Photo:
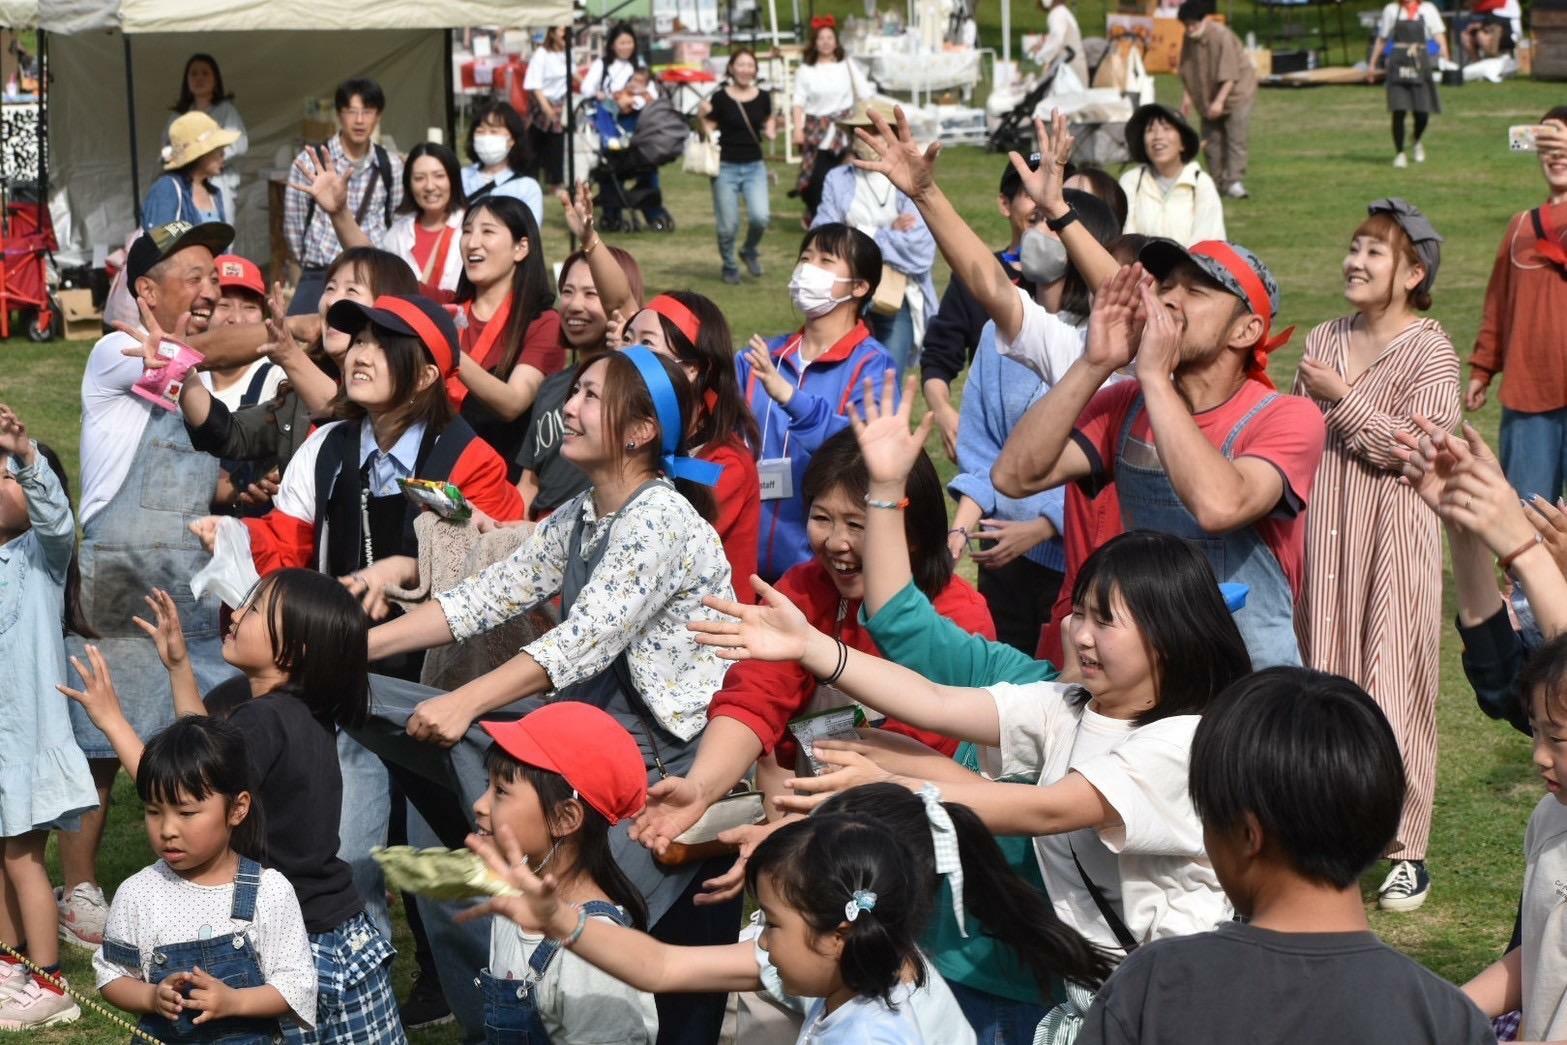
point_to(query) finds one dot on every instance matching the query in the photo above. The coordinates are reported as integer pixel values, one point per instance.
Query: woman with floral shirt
(631, 559)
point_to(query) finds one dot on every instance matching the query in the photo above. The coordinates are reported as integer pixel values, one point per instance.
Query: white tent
(113, 62)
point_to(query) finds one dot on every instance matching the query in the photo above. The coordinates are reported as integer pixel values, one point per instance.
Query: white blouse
(399, 240)
(546, 74)
(829, 88)
(1428, 14)
(599, 84)
(662, 559)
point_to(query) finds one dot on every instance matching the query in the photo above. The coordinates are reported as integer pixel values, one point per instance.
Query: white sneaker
(82, 915)
(1420, 153)
(13, 977)
(1237, 191)
(1400, 161)
(33, 1006)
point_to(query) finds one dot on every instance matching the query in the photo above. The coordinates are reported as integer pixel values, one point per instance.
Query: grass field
(1318, 157)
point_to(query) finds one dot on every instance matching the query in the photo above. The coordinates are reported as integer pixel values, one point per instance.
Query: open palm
(887, 444)
(773, 630)
(898, 156)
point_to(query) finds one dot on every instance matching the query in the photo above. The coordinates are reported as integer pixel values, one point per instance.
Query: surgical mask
(1042, 258)
(638, 102)
(810, 288)
(491, 148)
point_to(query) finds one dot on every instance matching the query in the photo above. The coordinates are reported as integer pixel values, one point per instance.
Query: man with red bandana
(1201, 445)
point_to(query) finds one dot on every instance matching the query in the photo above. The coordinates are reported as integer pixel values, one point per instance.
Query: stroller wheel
(663, 223)
(41, 327)
(611, 225)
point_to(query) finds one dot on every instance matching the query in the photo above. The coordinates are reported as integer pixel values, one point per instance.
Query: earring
(631, 447)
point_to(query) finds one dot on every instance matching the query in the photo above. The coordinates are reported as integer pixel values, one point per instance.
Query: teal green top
(909, 631)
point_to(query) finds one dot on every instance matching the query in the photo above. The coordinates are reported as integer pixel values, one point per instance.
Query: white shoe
(82, 915)
(33, 1006)
(1420, 153)
(1237, 191)
(13, 977)
(1400, 161)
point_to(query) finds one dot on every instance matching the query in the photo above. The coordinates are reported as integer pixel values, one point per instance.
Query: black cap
(165, 241)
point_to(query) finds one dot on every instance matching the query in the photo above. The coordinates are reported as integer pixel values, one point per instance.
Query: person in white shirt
(826, 86)
(428, 228)
(1168, 193)
(607, 76)
(1063, 40)
(498, 145)
(1410, 38)
(545, 82)
(201, 88)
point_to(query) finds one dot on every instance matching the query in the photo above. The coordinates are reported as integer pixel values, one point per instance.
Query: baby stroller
(632, 149)
(26, 243)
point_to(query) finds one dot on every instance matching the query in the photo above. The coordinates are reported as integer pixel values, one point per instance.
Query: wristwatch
(1057, 224)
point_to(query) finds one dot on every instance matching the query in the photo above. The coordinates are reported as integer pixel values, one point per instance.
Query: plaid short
(1506, 1027)
(354, 1000)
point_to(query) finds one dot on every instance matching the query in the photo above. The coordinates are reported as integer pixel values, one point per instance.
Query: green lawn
(1318, 157)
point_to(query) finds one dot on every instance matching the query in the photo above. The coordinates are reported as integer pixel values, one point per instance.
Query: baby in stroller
(634, 128)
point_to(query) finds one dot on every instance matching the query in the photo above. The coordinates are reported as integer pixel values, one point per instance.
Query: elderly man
(142, 484)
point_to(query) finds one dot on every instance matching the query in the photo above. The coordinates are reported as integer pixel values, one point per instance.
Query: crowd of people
(454, 551)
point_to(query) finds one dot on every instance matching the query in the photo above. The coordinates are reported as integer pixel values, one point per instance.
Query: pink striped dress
(1371, 605)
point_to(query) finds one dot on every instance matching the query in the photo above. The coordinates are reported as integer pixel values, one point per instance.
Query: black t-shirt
(293, 763)
(1241, 983)
(559, 479)
(738, 143)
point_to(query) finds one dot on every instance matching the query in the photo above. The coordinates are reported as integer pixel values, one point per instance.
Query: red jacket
(764, 696)
(739, 497)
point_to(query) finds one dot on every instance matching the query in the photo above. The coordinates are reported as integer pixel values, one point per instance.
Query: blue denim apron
(229, 957)
(138, 541)
(511, 1015)
(1149, 502)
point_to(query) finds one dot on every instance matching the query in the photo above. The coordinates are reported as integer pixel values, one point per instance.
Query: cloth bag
(701, 156)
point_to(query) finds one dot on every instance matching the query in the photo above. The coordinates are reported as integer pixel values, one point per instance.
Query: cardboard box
(1164, 53)
(82, 321)
(1262, 61)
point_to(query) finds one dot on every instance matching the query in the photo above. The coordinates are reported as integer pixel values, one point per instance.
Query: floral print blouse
(661, 560)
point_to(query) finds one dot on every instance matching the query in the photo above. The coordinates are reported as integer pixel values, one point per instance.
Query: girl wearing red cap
(559, 798)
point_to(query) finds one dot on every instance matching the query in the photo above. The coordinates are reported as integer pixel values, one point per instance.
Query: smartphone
(1520, 137)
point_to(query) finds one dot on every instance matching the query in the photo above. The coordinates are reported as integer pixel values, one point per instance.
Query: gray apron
(1149, 501)
(141, 540)
(1411, 72)
(461, 767)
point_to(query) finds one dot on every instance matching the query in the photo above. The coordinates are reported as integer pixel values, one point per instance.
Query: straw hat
(860, 115)
(192, 136)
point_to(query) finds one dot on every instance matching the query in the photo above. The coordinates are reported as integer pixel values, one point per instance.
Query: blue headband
(667, 406)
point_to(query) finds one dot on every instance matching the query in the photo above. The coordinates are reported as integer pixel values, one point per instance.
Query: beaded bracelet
(576, 934)
(891, 506)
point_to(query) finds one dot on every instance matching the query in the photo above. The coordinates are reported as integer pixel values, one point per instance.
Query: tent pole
(570, 125)
(130, 112)
(43, 120)
(451, 96)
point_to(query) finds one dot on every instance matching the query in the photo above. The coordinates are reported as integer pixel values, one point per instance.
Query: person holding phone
(1519, 331)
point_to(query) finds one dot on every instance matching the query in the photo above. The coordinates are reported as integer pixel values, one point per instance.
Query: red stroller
(26, 242)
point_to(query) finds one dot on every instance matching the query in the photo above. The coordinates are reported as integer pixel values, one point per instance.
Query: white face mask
(810, 288)
(491, 148)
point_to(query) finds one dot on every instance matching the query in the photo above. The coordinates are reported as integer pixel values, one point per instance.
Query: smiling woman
(428, 227)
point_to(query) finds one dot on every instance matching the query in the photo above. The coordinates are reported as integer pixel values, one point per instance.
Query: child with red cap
(558, 795)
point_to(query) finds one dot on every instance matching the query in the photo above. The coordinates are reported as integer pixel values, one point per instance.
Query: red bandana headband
(824, 22)
(1256, 297)
(434, 341)
(683, 318)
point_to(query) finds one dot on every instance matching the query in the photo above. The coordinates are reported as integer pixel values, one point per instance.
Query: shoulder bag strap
(747, 118)
(1118, 928)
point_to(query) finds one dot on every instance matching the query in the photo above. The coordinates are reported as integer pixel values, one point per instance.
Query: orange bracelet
(1506, 561)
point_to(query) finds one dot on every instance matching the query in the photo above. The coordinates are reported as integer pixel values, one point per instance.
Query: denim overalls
(229, 957)
(1149, 502)
(511, 1015)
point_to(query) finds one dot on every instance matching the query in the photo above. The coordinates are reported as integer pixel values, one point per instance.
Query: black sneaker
(425, 1005)
(731, 276)
(1406, 886)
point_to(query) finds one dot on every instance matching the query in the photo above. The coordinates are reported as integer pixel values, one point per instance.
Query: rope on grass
(87, 1003)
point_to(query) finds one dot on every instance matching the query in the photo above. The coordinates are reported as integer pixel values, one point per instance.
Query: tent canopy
(182, 16)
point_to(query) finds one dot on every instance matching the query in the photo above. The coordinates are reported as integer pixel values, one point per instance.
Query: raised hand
(13, 437)
(731, 883)
(1478, 497)
(206, 531)
(1115, 325)
(151, 336)
(282, 346)
(322, 181)
(165, 630)
(578, 210)
(775, 629)
(1550, 522)
(898, 155)
(777, 387)
(1046, 186)
(854, 770)
(1425, 470)
(887, 444)
(615, 330)
(97, 696)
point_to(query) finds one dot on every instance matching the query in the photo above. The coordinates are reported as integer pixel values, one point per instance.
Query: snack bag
(161, 386)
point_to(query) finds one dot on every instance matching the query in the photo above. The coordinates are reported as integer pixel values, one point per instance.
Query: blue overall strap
(667, 406)
(1228, 449)
(247, 882)
(545, 952)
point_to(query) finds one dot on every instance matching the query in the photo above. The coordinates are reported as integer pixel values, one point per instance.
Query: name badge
(777, 476)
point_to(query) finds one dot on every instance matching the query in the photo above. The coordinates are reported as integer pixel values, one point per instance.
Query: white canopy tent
(115, 68)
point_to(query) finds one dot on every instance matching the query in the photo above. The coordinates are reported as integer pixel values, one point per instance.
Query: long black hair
(532, 293)
(197, 757)
(722, 411)
(519, 159)
(857, 251)
(320, 639)
(448, 161)
(1171, 593)
(838, 464)
(1007, 907)
(593, 857)
(817, 866)
(1100, 221)
(616, 31)
(73, 620)
(187, 101)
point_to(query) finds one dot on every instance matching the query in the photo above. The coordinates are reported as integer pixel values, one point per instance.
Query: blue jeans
(367, 805)
(997, 1020)
(896, 334)
(733, 181)
(1534, 451)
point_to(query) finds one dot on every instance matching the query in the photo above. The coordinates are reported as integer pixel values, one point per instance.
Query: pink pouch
(161, 386)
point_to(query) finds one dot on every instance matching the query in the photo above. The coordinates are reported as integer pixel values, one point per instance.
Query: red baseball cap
(596, 755)
(235, 271)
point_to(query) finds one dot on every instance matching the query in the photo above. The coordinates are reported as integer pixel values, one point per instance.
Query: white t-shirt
(546, 74)
(1545, 923)
(231, 396)
(155, 907)
(1045, 343)
(1152, 869)
(112, 420)
(1428, 14)
(580, 1004)
(597, 83)
(829, 88)
(867, 1021)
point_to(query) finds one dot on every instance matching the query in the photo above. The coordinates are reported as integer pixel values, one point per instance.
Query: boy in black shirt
(1298, 781)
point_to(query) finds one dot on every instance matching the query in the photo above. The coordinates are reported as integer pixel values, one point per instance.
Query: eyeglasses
(355, 114)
